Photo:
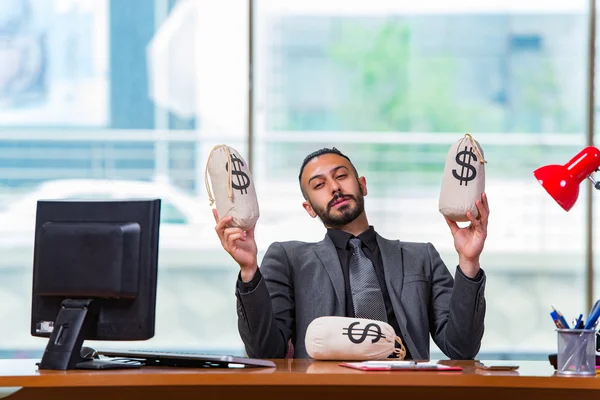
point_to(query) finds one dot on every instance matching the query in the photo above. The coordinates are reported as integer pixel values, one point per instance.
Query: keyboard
(186, 360)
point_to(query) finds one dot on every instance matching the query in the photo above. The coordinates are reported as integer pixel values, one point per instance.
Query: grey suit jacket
(302, 281)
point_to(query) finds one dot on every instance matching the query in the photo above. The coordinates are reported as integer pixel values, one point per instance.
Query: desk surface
(531, 374)
(293, 378)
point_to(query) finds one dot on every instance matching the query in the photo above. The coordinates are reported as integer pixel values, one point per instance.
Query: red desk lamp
(562, 181)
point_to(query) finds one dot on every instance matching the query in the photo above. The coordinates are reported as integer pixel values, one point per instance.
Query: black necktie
(366, 292)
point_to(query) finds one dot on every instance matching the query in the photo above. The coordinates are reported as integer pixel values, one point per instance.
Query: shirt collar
(340, 238)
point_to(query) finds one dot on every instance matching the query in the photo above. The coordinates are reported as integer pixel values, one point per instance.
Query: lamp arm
(595, 182)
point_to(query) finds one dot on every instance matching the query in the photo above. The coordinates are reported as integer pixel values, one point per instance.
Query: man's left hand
(469, 241)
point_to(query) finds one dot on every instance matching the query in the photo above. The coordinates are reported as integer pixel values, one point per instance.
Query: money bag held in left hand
(463, 181)
(344, 338)
(232, 186)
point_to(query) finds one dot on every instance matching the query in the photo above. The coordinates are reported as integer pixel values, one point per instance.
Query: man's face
(333, 191)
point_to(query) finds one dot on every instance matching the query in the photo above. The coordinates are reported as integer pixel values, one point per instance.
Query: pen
(559, 319)
(579, 323)
(594, 311)
(556, 320)
(593, 319)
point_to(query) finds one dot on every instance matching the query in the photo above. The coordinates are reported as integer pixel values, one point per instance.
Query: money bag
(463, 181)
(232, 185)
(343, 338)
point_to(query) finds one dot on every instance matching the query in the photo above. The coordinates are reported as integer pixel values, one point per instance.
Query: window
(133, 92)
(394, 85)
(140, 91)
(169, 214)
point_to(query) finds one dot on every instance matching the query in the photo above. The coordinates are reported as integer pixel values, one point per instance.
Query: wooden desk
(292, 379)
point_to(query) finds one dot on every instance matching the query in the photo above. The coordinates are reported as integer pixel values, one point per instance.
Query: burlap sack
(463, 181)
(233, 187)
(342, 338)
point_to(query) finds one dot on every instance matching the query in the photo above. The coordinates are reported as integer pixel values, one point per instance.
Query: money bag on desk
(232, 186)
(463, 181)
(344, 338)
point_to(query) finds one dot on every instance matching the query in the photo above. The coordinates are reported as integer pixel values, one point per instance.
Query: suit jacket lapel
(327, 254)
(391, 255)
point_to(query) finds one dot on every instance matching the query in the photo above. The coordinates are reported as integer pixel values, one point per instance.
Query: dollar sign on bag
(243, 181)
(363, 333)
(468, 172)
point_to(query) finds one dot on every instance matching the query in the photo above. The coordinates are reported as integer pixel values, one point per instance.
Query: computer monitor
(94, 276)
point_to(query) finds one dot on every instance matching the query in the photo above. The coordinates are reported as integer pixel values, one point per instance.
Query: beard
(344, 214)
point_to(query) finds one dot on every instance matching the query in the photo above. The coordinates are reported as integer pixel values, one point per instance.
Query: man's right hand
(239, 244)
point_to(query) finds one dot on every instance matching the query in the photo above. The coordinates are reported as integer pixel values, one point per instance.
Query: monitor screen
(94, 275)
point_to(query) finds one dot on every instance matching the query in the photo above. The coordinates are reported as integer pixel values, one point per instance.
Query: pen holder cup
(576, 352)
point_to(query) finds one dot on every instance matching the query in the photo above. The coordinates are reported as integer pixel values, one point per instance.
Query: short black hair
(318, 153)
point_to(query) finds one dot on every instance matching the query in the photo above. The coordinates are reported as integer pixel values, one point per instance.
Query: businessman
(354, 272)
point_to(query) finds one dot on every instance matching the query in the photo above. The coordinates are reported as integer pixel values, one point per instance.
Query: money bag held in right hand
(343, 338)
(463, 181)
(232, 186)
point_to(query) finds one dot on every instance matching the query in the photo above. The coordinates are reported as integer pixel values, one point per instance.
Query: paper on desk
(399, 366)
(397, 362)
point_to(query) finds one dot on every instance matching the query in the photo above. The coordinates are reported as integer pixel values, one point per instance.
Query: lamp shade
(562, 181)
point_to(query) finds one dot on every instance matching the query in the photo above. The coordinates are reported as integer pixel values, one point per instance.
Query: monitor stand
(63, 351)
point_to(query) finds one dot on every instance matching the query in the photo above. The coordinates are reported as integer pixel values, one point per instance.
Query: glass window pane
(393, 85)
(127, 99)
(171, 215)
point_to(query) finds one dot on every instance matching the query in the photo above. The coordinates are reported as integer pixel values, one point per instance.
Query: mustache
(338, 197)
